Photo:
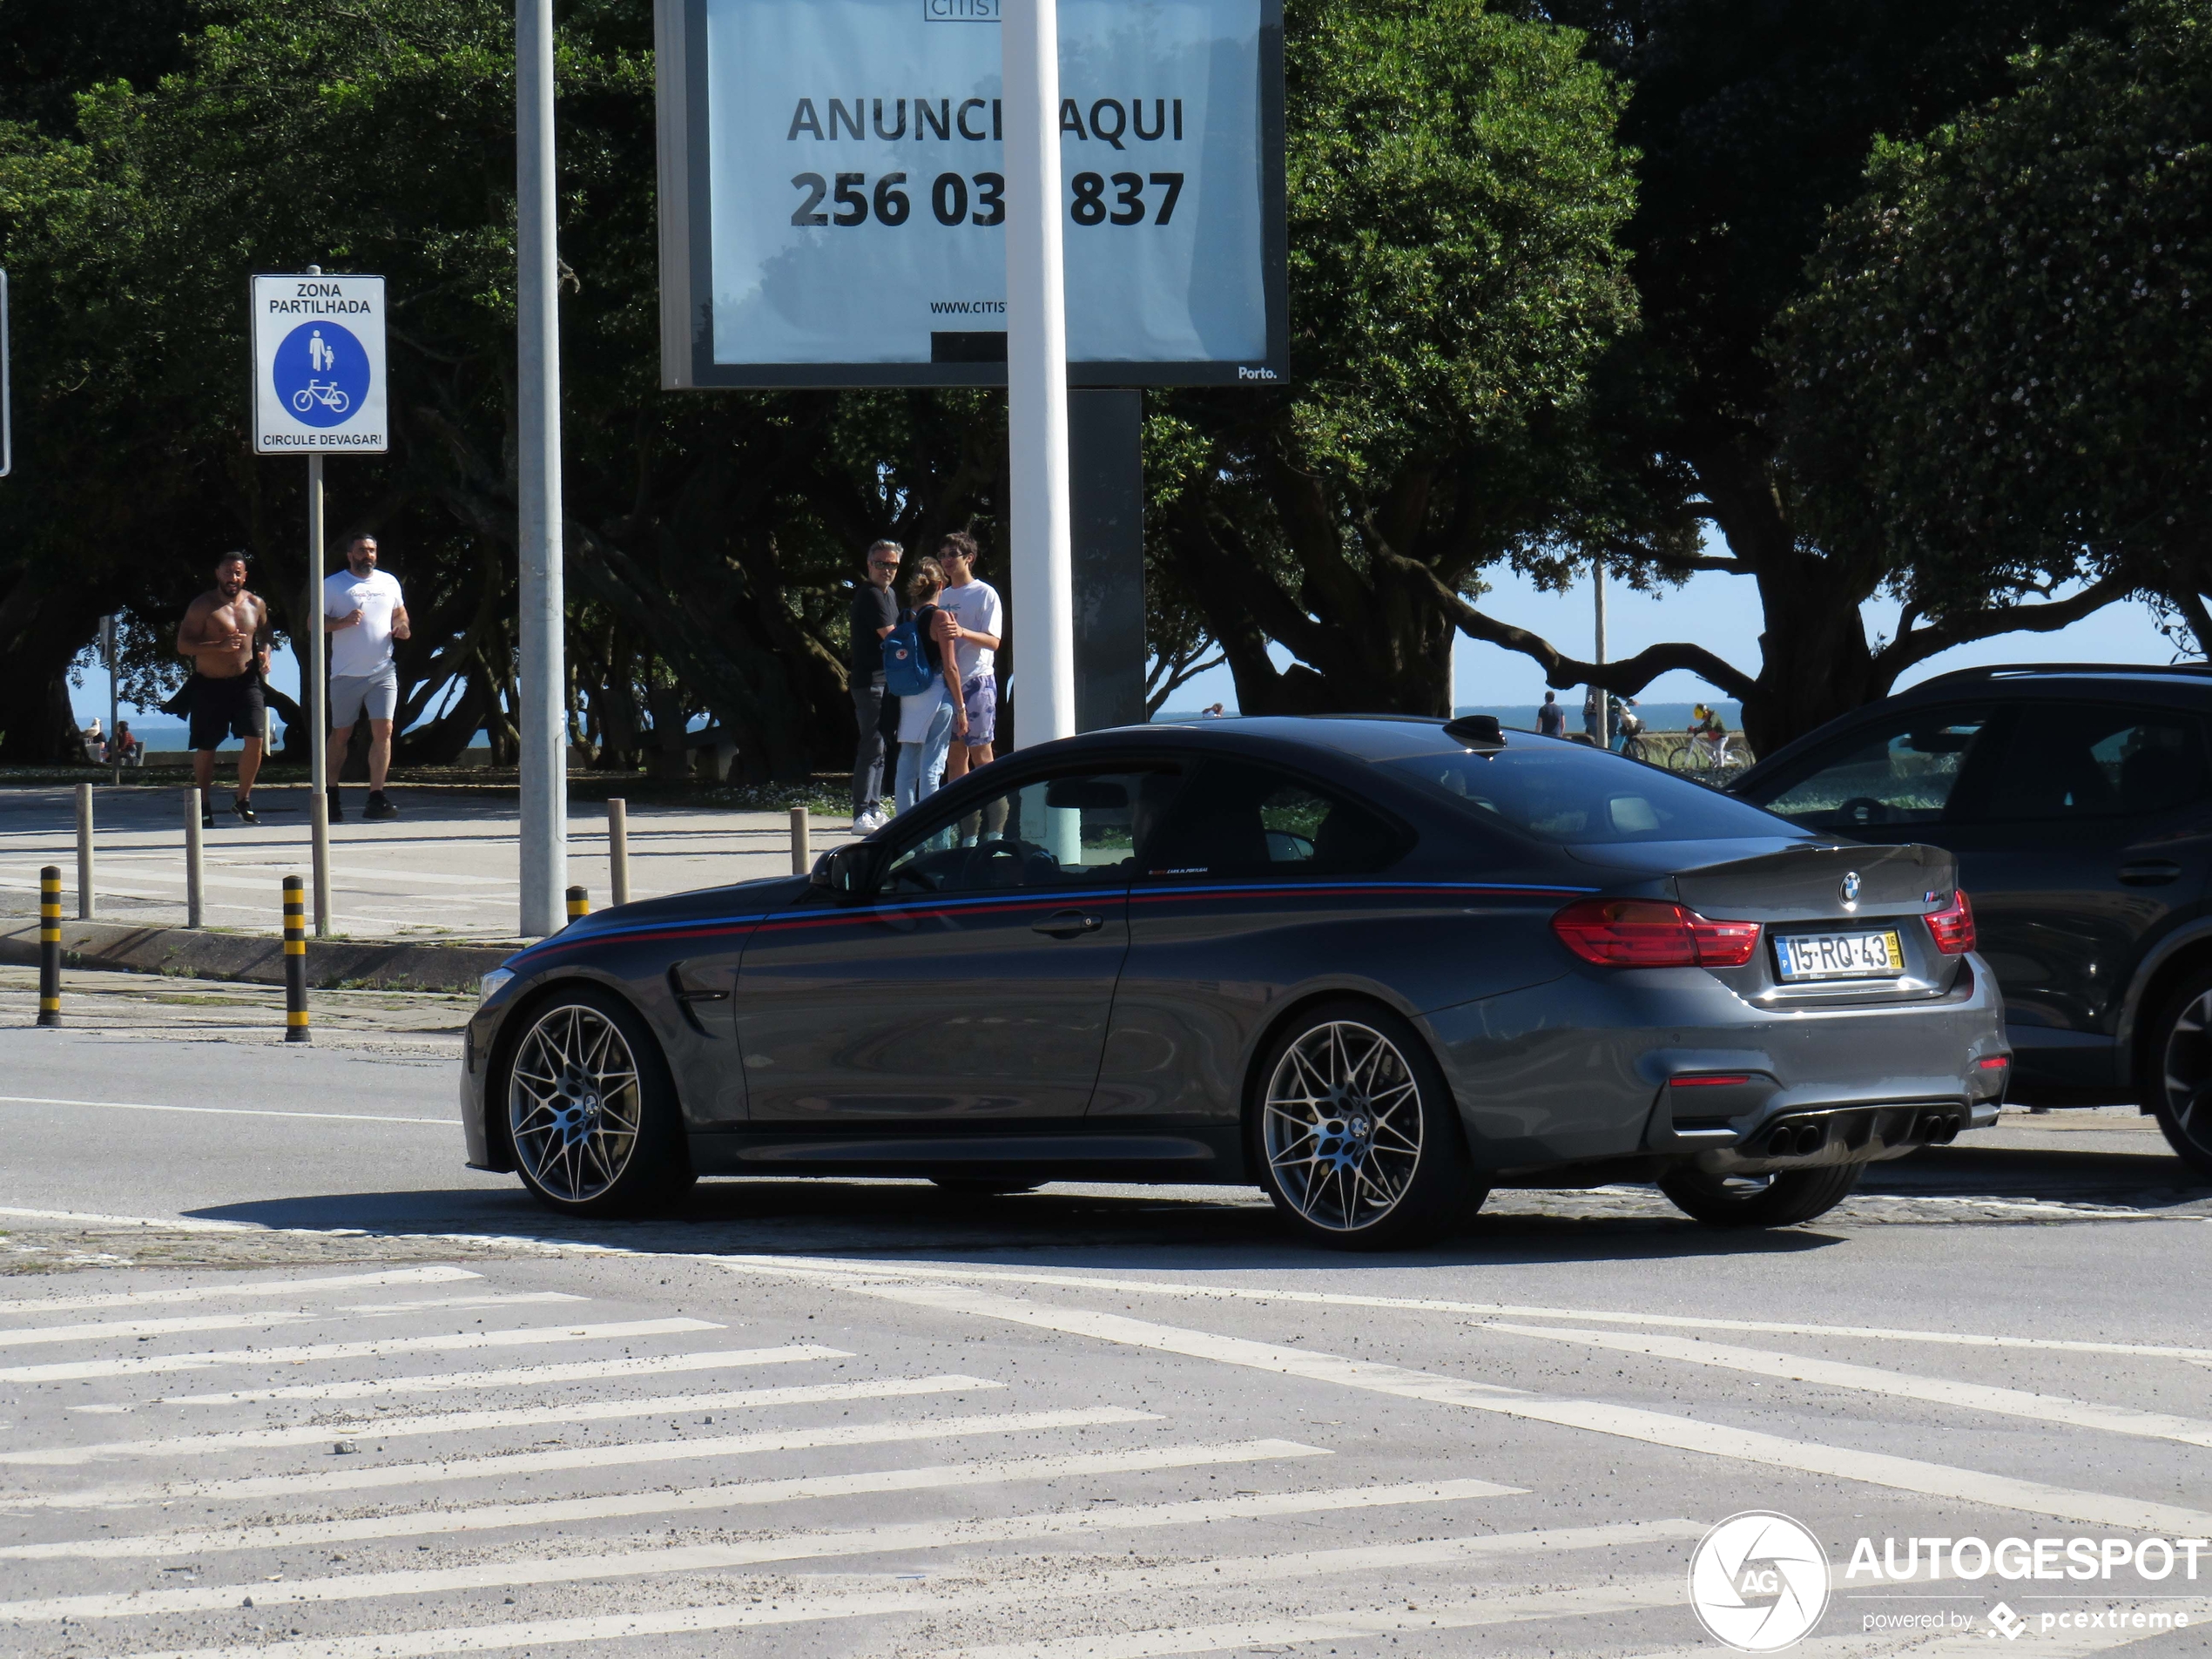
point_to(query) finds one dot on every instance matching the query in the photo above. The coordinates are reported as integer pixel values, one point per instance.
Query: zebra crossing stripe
(593, 1411)
(228, 1293)
(1054, 1586)
(657, 1560)
(517, 1376)
(118, 1330)
(156, 1363)
(501, 1464)
(433, 1523)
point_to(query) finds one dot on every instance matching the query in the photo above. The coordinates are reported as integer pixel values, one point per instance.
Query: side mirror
(844, 870)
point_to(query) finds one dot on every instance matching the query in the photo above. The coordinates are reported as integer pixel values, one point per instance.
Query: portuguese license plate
(1839, 955)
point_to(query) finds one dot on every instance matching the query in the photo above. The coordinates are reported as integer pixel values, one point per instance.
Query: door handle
(2149, 873)
(1068, 924)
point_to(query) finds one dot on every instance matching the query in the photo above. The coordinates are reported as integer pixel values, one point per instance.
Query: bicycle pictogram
(329, 394)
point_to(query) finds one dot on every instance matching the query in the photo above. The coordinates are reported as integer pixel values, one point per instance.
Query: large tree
(2000, 381)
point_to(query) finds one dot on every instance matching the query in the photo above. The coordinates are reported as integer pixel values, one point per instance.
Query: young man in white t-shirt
(970, 619)
(363, 613)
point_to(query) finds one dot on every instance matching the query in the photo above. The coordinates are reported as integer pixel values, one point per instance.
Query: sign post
(318, 388)
(7, 396)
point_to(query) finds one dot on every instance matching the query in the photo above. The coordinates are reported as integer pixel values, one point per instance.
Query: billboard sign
(832, 186)
(319, 365)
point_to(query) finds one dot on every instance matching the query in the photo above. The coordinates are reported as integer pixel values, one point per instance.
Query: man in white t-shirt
(970, 619)
(362, 613)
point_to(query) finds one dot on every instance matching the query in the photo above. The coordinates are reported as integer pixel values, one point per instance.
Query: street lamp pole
(542, 716)
(1604, 697)
(1040, 557)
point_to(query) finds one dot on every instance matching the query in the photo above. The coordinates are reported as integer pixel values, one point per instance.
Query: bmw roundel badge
(1851, 887)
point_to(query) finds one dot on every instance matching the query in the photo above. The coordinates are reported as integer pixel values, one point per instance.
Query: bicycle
(327, 393)
(1713, 756)
(1632, 748)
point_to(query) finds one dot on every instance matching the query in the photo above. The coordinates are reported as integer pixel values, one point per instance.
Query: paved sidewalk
(446, 869)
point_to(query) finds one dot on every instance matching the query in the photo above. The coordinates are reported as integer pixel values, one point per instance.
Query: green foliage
(1999, 378)
(1455, 195)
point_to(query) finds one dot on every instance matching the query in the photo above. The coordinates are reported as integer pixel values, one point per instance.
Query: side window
(2083, 761)
(1905, 770)
(1075, 830)
(1240, 820)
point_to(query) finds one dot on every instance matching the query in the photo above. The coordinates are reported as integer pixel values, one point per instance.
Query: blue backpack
(906, 671)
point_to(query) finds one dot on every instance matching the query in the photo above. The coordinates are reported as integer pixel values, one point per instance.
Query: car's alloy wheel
(588, 1111)
(1355, 1133)
(1780, 1200)
(2181, 1096)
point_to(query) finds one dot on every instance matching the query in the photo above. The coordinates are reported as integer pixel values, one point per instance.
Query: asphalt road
(277, 1377)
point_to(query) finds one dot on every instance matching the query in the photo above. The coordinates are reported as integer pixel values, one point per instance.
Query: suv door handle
(1068, 924)
(2149, 873)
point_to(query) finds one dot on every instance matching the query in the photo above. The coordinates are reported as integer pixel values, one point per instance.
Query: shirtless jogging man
(225, 632)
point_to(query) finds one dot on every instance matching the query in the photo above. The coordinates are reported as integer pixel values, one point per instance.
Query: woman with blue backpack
(921, 674)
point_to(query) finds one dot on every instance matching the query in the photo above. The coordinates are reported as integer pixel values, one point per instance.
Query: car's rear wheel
(591, 1110)
(1781, 1199)
(1359, 1145)
(2180, 1087)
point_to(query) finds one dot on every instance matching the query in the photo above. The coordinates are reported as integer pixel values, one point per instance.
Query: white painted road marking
(1626, 1422)
(503, 1464)
(227, 1292)
(1120, 1584)
(595, 1411)
(516, 1376)
(1940, 1391)
(228, 1111)
(141, 1364)
(431, 1523)
(826, 1266)
(28, 1335)
(655, 1560)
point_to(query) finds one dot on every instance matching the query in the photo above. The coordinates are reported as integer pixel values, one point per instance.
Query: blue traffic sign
(321, 374)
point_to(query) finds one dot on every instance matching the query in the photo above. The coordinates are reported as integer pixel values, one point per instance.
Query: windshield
(1574, 796)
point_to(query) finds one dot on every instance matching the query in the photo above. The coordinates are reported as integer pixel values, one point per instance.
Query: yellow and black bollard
(49, 945)
(579, 902)
(295, 960)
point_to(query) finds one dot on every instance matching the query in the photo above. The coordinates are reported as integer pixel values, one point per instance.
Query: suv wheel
(2179, 1087)
(1779, 1200)
(591, 1110)
(1357, 1140)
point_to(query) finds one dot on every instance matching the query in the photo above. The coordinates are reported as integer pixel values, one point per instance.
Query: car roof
(1356, 737)
(2184, 682)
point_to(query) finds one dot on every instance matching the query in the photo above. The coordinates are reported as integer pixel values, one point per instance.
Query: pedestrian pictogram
(318, 364)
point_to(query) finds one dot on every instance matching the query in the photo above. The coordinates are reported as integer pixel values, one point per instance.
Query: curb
(255, 958)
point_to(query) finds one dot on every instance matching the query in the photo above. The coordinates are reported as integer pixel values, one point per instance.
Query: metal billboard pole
(541, 716)
(1039, 554)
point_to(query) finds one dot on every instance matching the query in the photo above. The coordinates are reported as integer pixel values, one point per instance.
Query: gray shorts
(375, 695)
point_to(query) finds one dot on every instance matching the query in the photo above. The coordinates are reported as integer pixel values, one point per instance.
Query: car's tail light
(1650, 932)
(1953, 927)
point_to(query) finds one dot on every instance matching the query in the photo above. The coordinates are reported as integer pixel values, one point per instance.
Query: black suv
(2078, 799)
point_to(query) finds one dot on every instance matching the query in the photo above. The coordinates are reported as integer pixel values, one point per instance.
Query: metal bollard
(618, 849)
(194, 888)
(295, 960)
(579, 903)
(49, 945)
(84, 906)
(802, 857)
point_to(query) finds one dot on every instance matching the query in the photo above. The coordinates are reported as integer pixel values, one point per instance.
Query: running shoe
(337, 814)
(244, 807)
(207, 817)
(378, 807)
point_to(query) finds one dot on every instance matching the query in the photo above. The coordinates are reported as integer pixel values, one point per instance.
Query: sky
(1720, 611)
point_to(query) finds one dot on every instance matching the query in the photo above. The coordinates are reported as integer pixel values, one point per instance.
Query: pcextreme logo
(1758, 1582)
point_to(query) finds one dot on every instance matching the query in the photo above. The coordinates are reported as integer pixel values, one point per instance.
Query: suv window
(2075, 760)
(1075, 830)
(1907, 769)
(1243, 819)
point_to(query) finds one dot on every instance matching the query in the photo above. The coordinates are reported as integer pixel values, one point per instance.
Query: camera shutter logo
(1758, 1582)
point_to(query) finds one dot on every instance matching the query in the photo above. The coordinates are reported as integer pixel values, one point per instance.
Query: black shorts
(223, 709)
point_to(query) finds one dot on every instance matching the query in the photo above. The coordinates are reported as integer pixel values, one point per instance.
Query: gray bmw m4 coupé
(1376, 965)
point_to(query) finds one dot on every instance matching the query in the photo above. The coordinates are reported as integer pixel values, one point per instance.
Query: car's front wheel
(1359, 1144)
(1778, 1200)
(2180, 1087)
(591, 1110)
